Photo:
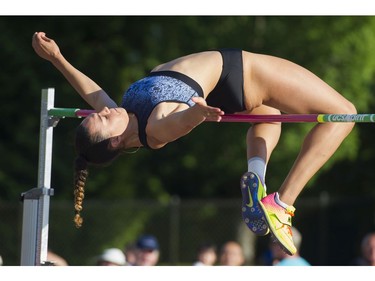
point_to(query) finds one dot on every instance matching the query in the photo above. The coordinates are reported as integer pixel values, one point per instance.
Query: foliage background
(117, 50)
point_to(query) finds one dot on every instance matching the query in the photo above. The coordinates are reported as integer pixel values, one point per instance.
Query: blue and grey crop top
(161, 86)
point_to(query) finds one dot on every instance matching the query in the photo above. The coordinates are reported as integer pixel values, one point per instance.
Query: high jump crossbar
(284, 118)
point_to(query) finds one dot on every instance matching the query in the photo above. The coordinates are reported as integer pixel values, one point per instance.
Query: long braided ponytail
(81, 173)
(92, 149)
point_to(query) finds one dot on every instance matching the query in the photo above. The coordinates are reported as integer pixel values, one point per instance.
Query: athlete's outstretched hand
(208, 112)
(45, 47)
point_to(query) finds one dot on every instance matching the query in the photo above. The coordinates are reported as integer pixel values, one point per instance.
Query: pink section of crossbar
(285, 118)
(84, 112)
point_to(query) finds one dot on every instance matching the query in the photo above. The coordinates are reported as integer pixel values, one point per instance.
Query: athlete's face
(109, 122)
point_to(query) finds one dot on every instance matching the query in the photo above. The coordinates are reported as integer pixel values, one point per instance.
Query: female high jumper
(177, 96)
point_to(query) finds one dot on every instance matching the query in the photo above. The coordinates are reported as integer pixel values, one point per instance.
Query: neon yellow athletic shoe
(253, 190)
(279, 221)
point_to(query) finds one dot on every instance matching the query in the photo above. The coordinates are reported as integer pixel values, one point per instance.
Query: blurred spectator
(1, 261)
(280, 258)
(147, 253)
(367, 251)
(111, 257)
(131, 253)
(206, 254)
(231, 254)
(55, 259)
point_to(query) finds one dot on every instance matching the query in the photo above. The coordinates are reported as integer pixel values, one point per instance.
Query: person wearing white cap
(111, 257)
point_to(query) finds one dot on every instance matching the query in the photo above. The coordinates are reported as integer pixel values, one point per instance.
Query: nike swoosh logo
(251, 203)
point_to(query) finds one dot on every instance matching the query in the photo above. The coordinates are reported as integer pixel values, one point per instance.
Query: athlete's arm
(91, 92)
(179, 124)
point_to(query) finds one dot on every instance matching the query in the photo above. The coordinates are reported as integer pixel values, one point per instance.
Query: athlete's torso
(204, 69)
(159, 95)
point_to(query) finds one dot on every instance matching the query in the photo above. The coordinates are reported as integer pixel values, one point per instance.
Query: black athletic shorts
(228, 93)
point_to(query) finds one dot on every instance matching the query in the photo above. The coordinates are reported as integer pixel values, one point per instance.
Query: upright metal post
(36, 201)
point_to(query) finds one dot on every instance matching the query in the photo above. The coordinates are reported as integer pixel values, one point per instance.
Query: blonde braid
(79, 194)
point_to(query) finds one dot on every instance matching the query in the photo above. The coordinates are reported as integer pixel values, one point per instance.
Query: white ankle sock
(257, 165)
(278, 201)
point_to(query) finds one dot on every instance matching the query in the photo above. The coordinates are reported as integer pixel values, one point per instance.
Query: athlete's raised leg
(291, 88)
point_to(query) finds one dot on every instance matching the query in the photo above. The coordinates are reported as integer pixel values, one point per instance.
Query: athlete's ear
(115, 142)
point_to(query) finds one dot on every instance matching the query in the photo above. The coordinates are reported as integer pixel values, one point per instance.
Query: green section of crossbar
(63, 112)
(357, 118)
